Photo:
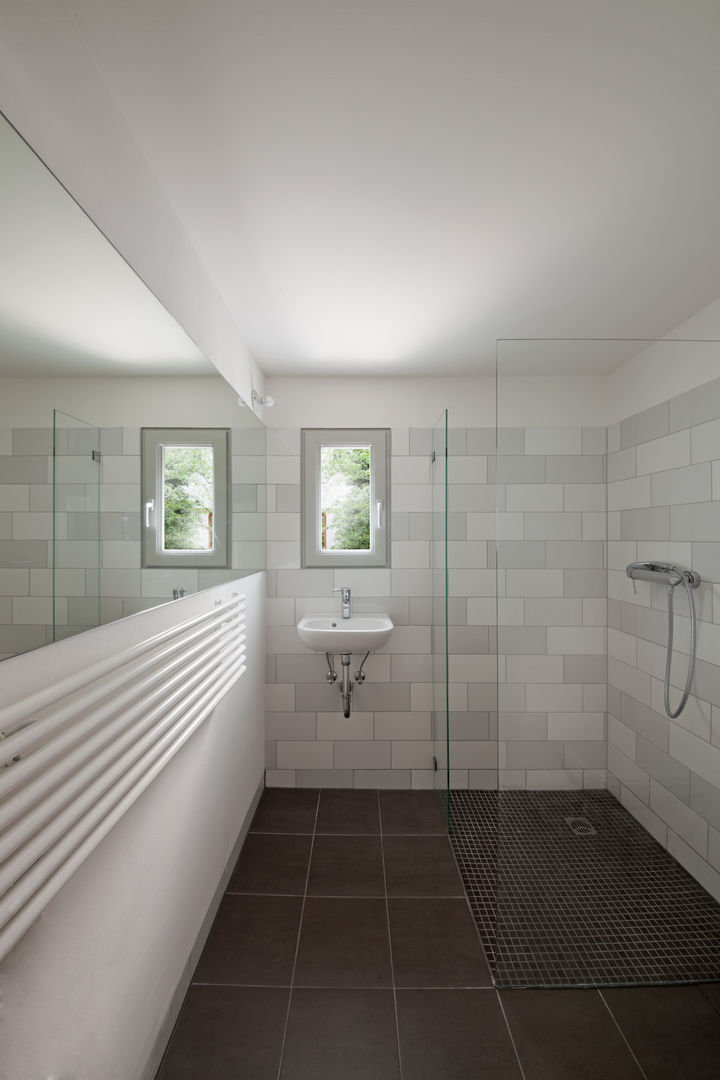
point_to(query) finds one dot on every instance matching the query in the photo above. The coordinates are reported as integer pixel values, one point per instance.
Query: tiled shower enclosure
(600, 862)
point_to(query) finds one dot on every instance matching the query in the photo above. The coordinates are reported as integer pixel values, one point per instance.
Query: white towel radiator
(75, 756)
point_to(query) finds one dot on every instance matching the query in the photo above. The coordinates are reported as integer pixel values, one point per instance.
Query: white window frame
(313, 439)
(153, 442)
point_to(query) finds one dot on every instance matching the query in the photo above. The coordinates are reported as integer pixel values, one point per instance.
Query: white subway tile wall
(666, 772)
(552, 574)
(26, 531)
(387, 741)
(552, 641)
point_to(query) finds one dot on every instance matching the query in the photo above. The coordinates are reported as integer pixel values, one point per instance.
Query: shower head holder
(662, 573)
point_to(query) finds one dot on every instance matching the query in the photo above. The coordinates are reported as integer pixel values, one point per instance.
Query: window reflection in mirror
(185, 480)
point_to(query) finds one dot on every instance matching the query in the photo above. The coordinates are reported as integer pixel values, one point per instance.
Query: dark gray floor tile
(420, 866)
(454, 1034)
(342, 1017)
(289, 810)
(674, 1031)
(346, 866)
(348, 812)
(227, 1031)
(341, 1035)
(344, 943)
(411, 812)
(272, 863)
(252, 941)
(566, 1034)
(435, 944)
(711, 991)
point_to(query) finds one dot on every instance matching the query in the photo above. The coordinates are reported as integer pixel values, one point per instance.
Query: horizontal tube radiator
(76, 755)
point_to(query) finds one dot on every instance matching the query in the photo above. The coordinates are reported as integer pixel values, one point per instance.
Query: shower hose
(691, 665)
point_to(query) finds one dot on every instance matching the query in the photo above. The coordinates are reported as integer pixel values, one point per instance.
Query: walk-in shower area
(582, 784)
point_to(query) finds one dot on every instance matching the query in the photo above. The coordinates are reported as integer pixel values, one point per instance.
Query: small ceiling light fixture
(257, 400)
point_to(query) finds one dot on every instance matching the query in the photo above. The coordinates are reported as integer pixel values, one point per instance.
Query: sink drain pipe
(346, 687)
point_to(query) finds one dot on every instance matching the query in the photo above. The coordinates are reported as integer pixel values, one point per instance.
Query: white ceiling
(387, 186)
(69, 304)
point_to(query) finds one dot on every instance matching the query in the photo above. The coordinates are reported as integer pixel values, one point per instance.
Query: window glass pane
(188, 476)
(345, 498)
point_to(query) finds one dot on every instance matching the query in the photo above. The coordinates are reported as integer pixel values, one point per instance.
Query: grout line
(246, 986)
(392, 963)
(271, 832)
(509, 1031)
(320, 832)
(622, 1034)
(707, 997)
(355, 896)
(402, 989)
(297, 943)
(334, 986)
(287, 895)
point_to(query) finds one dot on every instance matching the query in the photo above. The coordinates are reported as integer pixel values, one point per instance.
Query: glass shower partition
(439, 628)
(76, 535)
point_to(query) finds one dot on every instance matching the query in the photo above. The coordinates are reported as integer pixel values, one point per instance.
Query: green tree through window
(188, 498)
(345, 498)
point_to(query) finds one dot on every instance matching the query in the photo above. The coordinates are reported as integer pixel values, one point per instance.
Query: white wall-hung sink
(332, 634)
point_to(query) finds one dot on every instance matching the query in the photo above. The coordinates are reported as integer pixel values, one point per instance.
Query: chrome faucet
(345, 599)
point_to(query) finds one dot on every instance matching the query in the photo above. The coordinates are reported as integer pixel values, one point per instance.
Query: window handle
(149, 507)
(380, 511)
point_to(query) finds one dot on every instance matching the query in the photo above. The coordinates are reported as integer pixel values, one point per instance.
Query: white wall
(661, 371)
(378, 402)
(666, 369)
(658, 372)
(124, 402)
(406, 402)
(51, 91)
(92, 989)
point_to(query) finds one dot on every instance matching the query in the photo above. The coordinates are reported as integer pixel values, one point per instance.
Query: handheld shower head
(671, 576)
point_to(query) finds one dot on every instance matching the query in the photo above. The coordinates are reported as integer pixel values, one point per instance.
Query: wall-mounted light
(256, 400)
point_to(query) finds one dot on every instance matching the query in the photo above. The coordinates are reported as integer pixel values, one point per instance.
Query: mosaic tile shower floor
(604, 907)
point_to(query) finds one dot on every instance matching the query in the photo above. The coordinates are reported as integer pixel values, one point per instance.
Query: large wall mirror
(89, 359)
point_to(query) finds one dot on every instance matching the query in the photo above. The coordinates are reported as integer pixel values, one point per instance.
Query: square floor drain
(581, 826)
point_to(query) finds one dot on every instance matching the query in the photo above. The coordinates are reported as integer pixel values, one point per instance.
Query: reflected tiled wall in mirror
(80, 332)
